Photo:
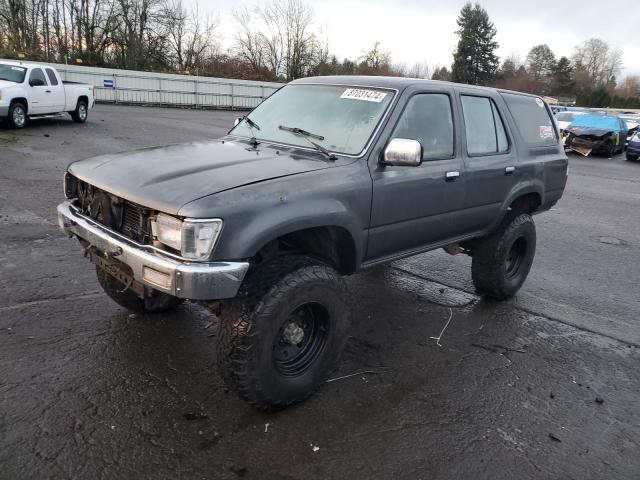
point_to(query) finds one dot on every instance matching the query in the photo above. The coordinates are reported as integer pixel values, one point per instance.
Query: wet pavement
(544, 386)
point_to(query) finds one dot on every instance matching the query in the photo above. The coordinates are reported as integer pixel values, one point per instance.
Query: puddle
(611, 240)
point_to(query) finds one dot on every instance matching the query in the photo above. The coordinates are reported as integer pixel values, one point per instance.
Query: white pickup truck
(36, 91)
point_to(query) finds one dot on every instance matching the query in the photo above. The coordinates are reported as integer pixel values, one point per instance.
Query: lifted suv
(327, 176)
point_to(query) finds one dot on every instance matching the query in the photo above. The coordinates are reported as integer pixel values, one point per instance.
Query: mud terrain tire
(501, 261)
(284, 332)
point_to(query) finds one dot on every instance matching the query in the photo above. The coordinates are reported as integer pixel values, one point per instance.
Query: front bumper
(181, 278)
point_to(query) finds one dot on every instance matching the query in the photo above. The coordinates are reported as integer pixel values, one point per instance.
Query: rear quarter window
(532, 118)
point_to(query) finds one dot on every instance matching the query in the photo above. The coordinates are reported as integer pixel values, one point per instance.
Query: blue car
(633, 149)
(597, 134)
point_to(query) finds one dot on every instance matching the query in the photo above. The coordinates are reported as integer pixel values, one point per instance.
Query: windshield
(344, 117)
(12, 73)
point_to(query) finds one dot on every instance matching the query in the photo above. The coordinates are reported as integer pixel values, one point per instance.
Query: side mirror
(237, 121)
(403, 152)
(36, 82)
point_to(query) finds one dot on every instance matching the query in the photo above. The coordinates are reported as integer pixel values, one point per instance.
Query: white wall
(147, 88)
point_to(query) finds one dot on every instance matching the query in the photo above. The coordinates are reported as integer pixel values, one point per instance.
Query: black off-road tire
(156, 302)
(501, 262)
(251, 328)
(11, 117)
(80, 114)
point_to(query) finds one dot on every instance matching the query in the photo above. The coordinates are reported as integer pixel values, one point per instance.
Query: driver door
(40, 100)
(414, 207)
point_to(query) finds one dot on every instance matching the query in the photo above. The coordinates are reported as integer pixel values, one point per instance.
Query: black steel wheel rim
(515, 257)
(300, 340)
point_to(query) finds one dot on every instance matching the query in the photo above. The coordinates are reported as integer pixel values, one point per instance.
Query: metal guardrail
(149, 88)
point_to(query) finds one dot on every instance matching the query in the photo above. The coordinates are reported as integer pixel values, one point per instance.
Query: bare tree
(598, 61)
(249, 42)
(290, 44)
(191, 37)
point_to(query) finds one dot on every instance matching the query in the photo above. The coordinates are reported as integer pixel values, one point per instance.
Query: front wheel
(501, 262)
(17, 115)
(81, 112)
(283, 334)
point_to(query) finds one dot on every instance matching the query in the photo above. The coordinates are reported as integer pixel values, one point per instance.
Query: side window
(36, 74)
(484, 128)
(428, 119)
(532, 119)
(52, 77)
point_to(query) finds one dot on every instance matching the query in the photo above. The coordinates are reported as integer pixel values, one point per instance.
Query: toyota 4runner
(326, 176)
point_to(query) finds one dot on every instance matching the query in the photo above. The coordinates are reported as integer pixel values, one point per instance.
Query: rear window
(483, 126)
(52, 77)
(532, 119)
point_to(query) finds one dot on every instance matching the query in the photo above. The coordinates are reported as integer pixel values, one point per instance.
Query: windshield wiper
(306, 135)
(252, 125)
(251, 122)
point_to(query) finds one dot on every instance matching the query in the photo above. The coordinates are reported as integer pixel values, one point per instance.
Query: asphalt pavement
(543, 386)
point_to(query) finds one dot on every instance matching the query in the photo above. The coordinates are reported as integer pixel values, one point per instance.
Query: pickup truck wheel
(501, 261)
(283, 334)
(17, 115)
(81, 112)
(156, 302)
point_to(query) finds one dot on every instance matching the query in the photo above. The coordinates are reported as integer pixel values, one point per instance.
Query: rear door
(490, 161)
(56, 97)
(414, 207)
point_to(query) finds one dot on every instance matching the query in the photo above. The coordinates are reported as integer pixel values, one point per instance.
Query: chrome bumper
(183, 279)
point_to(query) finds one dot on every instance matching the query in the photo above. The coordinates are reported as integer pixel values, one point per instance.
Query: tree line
(280, 41)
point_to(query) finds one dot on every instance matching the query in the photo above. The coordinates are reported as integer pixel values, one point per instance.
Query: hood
(166, 178)
(595, 132)
(6, 84)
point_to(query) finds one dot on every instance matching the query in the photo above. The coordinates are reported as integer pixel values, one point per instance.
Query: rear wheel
(17, 115)
(501, 261)
(154, 301)
(283, 334)
(81, 112)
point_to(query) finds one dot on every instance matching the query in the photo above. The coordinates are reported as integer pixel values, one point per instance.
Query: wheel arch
(333, 244)
(22, 100)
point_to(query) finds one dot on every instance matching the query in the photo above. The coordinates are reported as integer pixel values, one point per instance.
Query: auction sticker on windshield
(366, 95)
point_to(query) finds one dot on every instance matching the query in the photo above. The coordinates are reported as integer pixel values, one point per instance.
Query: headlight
(194, 238)
(169, 231)
(70, 186)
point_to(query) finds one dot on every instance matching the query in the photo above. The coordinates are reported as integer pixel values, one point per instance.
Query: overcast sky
(423, 31)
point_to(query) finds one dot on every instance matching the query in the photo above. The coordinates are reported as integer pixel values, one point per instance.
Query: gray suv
(326, 176)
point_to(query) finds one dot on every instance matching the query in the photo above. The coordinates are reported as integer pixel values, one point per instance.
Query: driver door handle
(452, 176)
(509, 170)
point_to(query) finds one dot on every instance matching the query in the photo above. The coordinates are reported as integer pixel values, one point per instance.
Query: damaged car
(597, 134)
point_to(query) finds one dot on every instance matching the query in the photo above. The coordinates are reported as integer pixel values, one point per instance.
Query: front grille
(133, 222)
(118, 214)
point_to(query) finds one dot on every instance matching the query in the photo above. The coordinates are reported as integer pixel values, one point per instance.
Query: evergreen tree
(541, 63)
(441, 73)
(563, 77)
(474, 60)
